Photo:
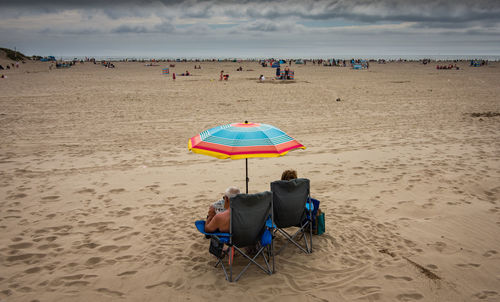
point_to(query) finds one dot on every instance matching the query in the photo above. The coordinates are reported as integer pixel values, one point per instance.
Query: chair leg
(291, 239)
(272, 253)
(311, 236)
(231, 258)
(224, 269)
(308, 244)
(252, 260)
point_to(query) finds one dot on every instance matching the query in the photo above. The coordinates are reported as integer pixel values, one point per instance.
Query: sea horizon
(246, 58)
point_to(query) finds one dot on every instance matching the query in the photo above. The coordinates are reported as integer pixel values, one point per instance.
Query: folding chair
(250, 225)
(292, 207)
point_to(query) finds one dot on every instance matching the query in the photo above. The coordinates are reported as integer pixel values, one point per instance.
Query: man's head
(230, 192)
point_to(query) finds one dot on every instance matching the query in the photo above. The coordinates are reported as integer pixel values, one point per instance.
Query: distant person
(173, 76)
(1, 67)
(287, 71)
(221, 75)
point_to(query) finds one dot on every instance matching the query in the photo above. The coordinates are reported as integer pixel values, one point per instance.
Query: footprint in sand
(409, 297)
(404, 278)
(486, 294)
(17, 196)
(86, 190)
(50, 198)
(22, 245)
(110, 292)
(490, 253)
(33, 270)
(108, 248)
(127, 273)
(439, 246)
(468, 265)
(93, 261)
(28, 258)
(116, 191)
(25, 289)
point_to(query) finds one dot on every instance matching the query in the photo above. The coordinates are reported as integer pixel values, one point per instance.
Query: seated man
(219, 212)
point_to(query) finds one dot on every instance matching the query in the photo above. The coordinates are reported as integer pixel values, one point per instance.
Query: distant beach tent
(299, 62)
(291, 75)
(63, 65)
(477, 63)
(359, 64)
(276, 64)
(165, 71)
(48, 59)
(282, 62)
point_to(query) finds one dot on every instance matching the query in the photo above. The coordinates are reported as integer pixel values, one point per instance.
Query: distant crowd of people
(450, 66)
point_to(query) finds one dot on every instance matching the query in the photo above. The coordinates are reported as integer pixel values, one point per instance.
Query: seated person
(292, 174)
(219, 212)
(289, 175)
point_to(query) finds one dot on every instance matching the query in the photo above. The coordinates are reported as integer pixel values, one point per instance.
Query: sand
(99, 193)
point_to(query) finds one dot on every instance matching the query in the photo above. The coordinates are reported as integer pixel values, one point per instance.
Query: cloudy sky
(261, 28)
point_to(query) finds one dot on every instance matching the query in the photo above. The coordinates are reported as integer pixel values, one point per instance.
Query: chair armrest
(200, 225)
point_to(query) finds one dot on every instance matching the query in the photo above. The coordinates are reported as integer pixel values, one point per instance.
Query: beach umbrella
(243, 140)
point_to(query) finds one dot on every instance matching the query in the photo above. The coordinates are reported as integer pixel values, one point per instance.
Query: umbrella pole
(246, 169)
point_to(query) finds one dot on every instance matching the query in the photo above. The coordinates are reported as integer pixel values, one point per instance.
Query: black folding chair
(292, 207)
(250, 226)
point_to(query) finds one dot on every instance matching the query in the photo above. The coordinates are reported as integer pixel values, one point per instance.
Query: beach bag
(216, 247)
(266, 237)
(319, 223)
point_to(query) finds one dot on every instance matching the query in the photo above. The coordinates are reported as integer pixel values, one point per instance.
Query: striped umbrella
(243, 140)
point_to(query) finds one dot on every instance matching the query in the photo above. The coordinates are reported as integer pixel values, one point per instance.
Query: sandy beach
(99, 193)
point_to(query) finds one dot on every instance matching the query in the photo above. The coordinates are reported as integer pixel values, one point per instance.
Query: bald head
(231, 192)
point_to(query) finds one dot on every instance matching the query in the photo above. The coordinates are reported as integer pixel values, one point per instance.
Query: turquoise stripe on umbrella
(248, 142)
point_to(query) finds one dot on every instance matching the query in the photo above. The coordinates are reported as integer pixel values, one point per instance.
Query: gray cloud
(164, 27)
(126, 29)
(300, 21)
(83, 31)
(435, 12)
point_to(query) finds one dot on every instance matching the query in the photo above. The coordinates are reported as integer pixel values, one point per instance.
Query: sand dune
(99, 192)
